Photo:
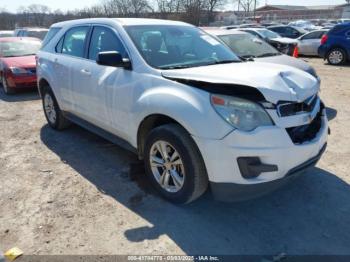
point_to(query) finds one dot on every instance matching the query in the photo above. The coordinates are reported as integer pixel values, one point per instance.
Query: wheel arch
(149, 123)
(338, 47)
(41, 84)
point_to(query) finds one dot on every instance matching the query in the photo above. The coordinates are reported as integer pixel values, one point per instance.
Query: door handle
(85, 72)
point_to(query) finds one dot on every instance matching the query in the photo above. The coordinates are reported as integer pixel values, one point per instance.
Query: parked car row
(331, 44)
(219, 109)
(35, 32)
(249, 47)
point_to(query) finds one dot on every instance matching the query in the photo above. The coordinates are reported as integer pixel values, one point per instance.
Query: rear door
(71, 62)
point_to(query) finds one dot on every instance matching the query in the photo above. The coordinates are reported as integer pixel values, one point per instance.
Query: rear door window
(313, 35)
(278, 29)
(74, 41)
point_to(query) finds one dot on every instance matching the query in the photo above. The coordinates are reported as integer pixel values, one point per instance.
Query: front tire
(7, 89)
(174, 164)
(336, 56)
(53, 113)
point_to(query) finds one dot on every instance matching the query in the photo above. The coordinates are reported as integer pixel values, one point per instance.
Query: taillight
(324, 39)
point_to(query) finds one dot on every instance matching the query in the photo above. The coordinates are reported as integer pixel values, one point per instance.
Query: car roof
(254, 28)
(121, 21)
(273, 26)
(343, 24)
(17, 39)
(218, 32)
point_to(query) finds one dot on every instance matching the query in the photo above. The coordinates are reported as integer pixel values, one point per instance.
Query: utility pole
(255, 8)
(238, 14)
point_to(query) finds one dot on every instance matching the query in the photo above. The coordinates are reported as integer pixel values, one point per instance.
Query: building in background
(285, 13)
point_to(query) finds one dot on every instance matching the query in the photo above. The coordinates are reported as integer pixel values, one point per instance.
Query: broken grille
(289, 109)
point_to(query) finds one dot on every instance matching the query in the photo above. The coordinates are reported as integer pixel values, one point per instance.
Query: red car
(17, 63)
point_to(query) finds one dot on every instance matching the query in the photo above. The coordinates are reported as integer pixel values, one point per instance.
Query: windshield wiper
(174, 67)
(269, 54)
(247, 57)
(224, 62)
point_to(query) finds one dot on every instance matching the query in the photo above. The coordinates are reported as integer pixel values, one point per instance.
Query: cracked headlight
(242, 114)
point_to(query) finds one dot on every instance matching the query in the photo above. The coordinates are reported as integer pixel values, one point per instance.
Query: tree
(247, 5)
(211, 5)
(35, 14)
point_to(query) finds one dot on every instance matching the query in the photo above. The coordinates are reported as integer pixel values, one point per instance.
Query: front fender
(189, 106)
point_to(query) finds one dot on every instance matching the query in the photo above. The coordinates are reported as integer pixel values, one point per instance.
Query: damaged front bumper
(230, 192)
(245, 165)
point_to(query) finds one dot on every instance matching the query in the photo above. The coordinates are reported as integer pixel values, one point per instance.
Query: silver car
(249, 47)
(309, 43)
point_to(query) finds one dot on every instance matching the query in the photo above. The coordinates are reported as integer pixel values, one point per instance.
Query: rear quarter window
(51, 34)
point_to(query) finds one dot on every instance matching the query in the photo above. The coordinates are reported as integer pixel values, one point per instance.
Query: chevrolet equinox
(186, 104)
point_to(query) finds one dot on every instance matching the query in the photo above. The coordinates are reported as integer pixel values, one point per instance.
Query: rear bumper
(230, 192)
(322, 51)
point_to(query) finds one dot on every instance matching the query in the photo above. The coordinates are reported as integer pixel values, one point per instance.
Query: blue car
(335, 45)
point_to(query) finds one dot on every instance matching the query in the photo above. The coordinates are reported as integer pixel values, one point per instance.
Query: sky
(13, 5)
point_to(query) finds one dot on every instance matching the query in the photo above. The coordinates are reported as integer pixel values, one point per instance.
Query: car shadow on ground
(331, 113)
(309, 216)
(347, 64)
(19, 96)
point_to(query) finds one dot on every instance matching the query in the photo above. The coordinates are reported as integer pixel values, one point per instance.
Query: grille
(289, 109)
(305, 133)
(31, 70)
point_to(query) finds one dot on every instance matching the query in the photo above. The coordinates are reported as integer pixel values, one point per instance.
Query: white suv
(184, 103)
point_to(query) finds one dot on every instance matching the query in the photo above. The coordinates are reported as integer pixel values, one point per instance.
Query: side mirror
(113, 58)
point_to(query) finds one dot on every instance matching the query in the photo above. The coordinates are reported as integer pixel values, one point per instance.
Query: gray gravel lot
(72, 192)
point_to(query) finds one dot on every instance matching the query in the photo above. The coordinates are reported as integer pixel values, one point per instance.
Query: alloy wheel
(49, 108)
(167, 166)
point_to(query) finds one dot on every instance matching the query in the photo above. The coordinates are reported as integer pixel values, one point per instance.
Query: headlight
(18, 70)
(240, 113)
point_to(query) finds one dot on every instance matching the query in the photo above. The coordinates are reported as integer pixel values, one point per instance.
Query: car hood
(284, 40)
(275, 82)
(288, 61)
(20, 61)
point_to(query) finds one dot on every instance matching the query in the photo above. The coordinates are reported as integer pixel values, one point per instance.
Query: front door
(106, 86)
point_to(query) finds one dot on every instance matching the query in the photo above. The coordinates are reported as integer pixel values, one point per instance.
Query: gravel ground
(72, 192)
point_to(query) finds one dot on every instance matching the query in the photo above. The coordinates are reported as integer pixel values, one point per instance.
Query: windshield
(38, 34)
(268, 34)
(248, 46)
(19, 48)
(170, 47)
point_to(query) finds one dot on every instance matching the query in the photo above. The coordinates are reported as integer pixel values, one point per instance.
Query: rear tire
(7, 89)
(174, 164)
(336, 56)
(52, 111)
